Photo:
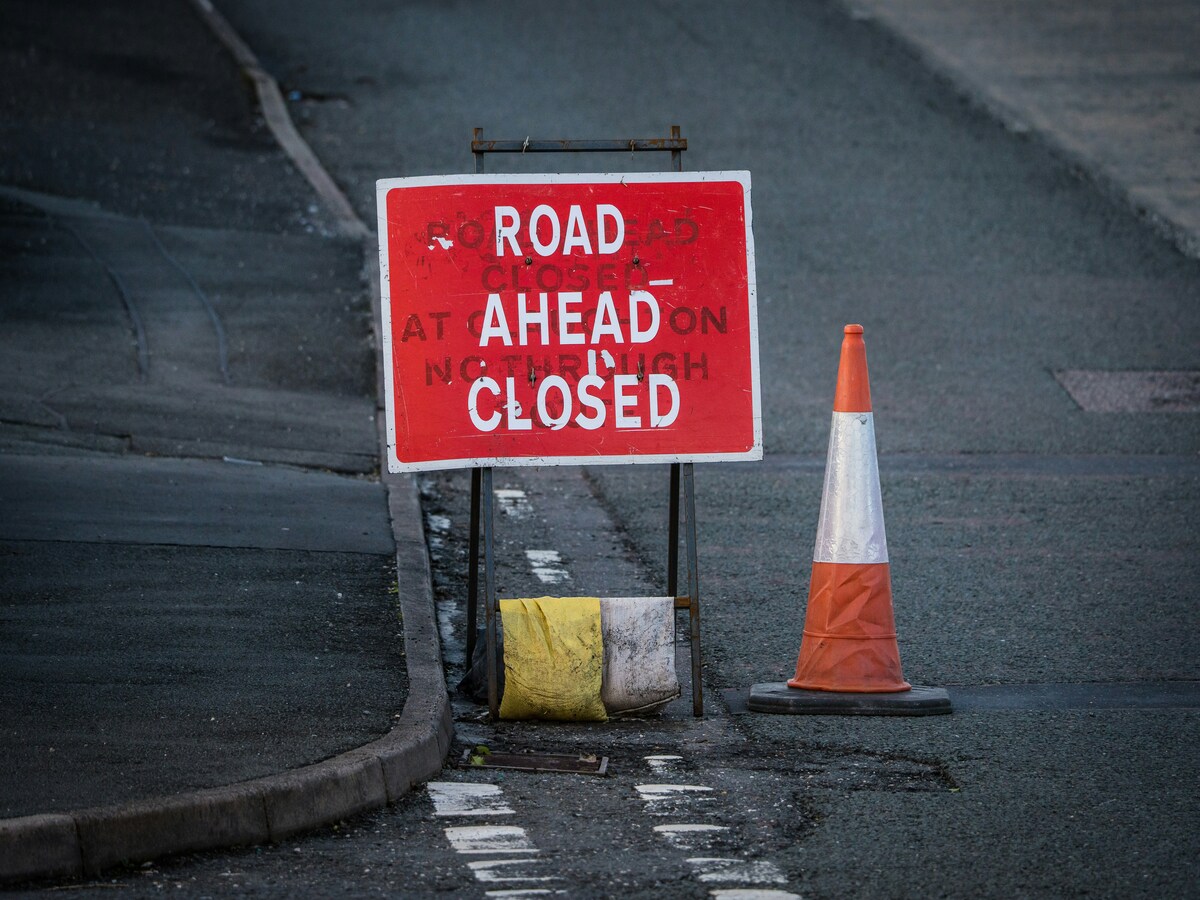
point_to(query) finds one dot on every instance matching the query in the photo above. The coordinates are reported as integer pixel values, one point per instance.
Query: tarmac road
(1034, 543)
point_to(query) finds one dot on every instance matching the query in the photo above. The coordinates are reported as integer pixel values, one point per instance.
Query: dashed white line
(686, 836)
(688, 828)
(664, 799)
(652, 792)
(670, 799)
(746, 871)
(485, 870)
(662, 763)
(452, 799)
(490, 839)
(457, 799)
(546, 565)
(513, 502)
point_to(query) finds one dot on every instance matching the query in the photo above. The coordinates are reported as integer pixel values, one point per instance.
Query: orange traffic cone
(849, 661)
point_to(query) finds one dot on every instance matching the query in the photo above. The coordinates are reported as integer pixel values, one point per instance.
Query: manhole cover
(573, 763)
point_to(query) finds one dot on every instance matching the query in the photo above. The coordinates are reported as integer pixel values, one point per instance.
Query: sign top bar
(741, 176)
(675, 144)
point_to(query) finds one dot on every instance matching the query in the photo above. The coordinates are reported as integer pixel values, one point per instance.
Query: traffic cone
(849, 641)
(849, 661)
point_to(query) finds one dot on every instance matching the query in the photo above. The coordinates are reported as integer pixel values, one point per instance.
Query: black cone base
(777, 697)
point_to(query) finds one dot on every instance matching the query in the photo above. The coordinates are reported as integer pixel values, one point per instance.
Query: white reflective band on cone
(850, 529)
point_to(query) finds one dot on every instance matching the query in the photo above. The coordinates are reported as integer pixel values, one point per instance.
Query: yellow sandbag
(553, 659)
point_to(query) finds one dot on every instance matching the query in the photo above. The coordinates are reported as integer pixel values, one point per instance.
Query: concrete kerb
(45, 846)
(201, 820)
(278, 119)
(84, 842)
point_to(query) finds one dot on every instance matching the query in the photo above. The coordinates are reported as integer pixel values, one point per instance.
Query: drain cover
(572, 763)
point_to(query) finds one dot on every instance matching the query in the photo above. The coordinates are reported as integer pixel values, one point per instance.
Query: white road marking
(546, 565)
(666, 799)
(660, 764)
(456, 799)
(666, 791)
(746, 871)
(689, 836)
(490, 839)
(654, 792)
(453, 799)
(485, 870)
(513, 502)
(670, 799)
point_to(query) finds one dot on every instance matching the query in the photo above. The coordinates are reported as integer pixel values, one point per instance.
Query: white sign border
(395, 465)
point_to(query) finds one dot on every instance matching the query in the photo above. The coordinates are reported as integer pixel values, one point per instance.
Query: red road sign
(547, 319)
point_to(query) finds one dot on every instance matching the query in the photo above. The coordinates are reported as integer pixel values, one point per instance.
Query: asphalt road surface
(1036, 545)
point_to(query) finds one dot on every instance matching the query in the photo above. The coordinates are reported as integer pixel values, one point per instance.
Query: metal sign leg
(673, 534)
(473, 569)
(693, 575)
(489, 593)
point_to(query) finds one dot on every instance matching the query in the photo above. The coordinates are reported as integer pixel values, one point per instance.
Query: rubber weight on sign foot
(777, 697)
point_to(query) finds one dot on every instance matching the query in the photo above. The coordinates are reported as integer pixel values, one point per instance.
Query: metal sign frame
(681, 476)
